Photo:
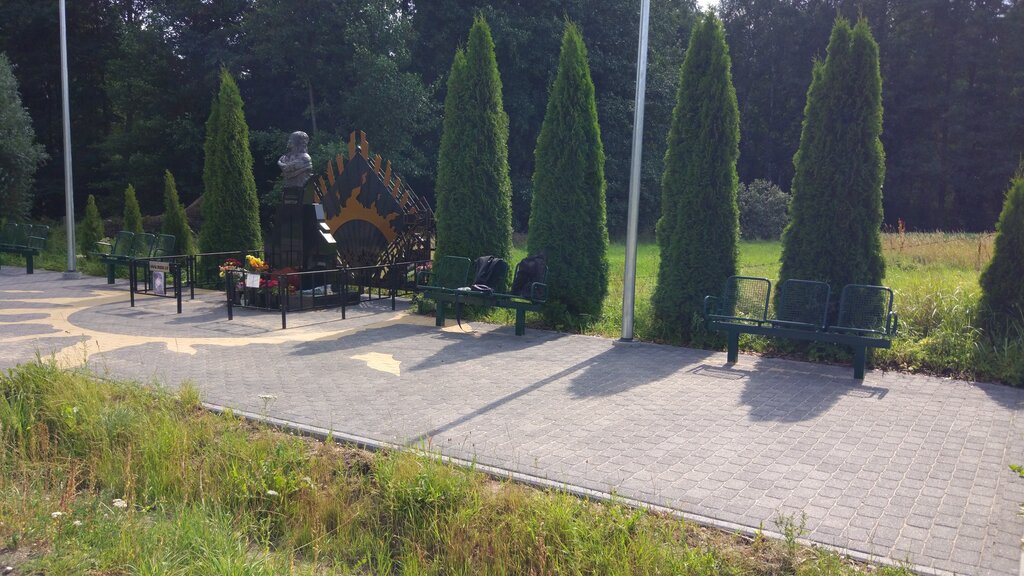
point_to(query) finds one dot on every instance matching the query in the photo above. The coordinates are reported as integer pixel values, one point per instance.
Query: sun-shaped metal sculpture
(375, 218)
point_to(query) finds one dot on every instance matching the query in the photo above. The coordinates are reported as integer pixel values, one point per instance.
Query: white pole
(629, 276)
(69, 190)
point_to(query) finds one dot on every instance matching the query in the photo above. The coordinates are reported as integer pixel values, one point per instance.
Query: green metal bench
(125, 246)
(865, 319)
(448, 283)
(28, 240)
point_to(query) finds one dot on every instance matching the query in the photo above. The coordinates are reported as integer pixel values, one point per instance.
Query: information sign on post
(158, 272)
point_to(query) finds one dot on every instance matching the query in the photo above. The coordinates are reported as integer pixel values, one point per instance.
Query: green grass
(207, 494)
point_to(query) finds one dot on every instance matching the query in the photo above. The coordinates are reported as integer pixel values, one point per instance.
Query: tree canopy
(143, 73)
(20, 154)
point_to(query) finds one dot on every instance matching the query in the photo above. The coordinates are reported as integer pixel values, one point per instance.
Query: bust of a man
(296, 166)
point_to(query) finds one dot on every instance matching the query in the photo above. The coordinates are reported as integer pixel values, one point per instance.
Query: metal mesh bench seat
(865, 319)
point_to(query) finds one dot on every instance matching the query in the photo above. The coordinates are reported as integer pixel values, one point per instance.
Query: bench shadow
(787, 391)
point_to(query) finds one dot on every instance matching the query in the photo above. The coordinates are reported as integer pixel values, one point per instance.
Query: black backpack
(490, 274)
(530, 270)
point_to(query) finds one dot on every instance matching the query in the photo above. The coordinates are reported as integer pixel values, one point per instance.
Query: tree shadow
(628, 365)
(614, 370)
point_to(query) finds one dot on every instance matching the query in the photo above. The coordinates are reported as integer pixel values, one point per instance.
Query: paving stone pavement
(903, 467)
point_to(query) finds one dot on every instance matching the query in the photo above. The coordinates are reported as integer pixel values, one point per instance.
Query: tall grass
(117, 478)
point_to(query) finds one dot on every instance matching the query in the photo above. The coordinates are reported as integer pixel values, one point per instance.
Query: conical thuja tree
(567, 215)
(699, 226)
(1002, 300)
(175, 220)
(231, 218)
(132, 214)
(836, 210)
(473, 190)
(90, 229)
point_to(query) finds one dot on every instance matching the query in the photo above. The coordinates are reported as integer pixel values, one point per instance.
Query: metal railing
(318, 289)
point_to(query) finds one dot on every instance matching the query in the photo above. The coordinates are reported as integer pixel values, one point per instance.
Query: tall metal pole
(629, 276)
(69, 189)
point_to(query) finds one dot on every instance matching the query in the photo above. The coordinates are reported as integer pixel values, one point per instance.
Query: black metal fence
(319, 289)
(284, 292)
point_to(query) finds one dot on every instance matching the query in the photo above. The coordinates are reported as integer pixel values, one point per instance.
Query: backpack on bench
(529, 271)
(489, 278)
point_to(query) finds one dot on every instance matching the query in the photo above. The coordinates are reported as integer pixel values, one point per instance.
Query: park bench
(125, 246)
(28, 240)
(163, 246)
(447, 283)
(865, 319)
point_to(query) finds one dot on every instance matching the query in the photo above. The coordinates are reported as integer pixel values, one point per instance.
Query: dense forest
(144, 72)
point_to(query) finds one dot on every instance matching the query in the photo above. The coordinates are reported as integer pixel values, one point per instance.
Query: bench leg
(520, 321)
(734, 347)
(439, 315)
(110, 273)
(858, 362)
(29, 268)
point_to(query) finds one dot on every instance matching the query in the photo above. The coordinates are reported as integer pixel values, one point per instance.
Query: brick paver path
(908, 468)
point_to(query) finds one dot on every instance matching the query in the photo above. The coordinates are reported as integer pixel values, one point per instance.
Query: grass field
(934, 276)
(120, 478)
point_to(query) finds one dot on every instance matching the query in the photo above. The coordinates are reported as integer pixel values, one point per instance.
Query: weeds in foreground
(104, 477)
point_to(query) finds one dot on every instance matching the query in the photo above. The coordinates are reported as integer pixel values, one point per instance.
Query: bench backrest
(803, 303)
(38, 235)
(142, 247)
(745, 298)
(164, 245)
(122, 245)
(450, 272)
(16, 234)
(865, 309)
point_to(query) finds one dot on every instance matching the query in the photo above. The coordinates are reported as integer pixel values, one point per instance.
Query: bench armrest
(36, 242)
(710, 306)
(892, 324)
(538, 292)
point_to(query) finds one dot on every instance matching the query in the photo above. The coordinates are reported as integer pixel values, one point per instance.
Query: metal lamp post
(69, 194)
(629, 277)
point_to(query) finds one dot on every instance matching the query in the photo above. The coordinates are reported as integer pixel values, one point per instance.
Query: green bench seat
(447, 283)
(28, 240)
(124, 247)
(865, 319)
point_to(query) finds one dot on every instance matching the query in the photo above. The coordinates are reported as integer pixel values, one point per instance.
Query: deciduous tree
(20, 155)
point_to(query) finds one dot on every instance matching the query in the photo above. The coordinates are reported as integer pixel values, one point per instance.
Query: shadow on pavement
(787, 391)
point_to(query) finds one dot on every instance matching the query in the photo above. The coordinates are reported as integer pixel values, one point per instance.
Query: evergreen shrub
(698, 232)
(836, 212)
(567, 216)
(90, 229)
(175, 222)
(132, 215)
(231, 216)
(473, 189)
